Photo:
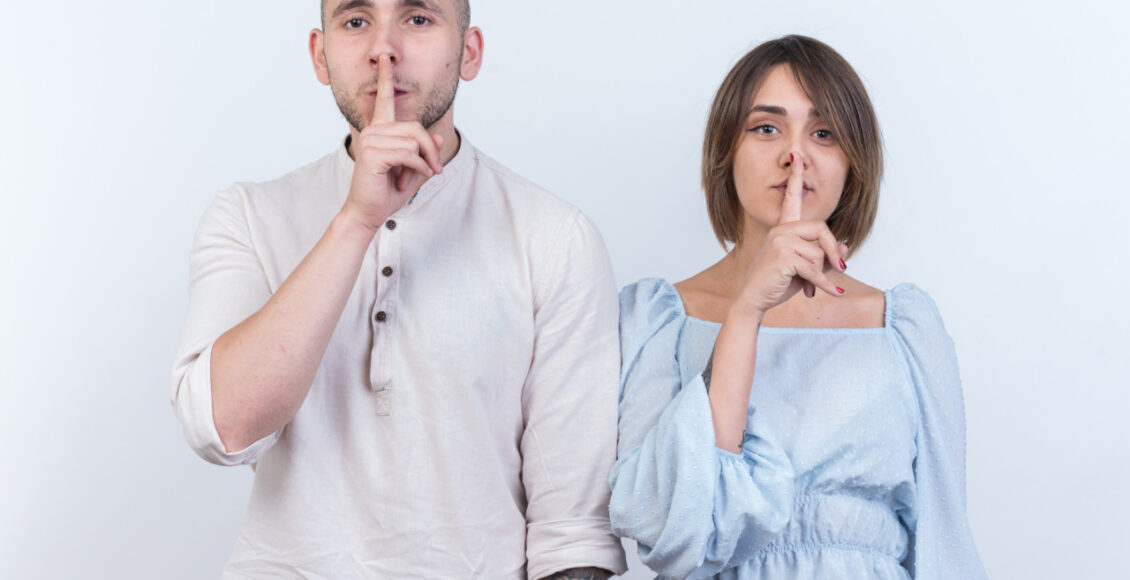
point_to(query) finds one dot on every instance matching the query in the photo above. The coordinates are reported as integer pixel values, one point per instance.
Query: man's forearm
(580, 574)
(263, 368)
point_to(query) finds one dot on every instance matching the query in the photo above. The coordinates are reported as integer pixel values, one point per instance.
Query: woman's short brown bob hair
(838, 95)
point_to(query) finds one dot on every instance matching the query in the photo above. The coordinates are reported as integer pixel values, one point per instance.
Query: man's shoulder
(303, 199)
(519, 191)
(321, 173)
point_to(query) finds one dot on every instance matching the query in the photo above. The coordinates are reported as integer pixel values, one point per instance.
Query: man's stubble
(436, 103)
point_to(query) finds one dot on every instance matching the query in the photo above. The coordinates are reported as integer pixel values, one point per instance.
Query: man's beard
(436, 103)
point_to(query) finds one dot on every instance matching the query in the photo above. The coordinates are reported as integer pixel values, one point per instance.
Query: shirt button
(391, 224)
(387, 271)
(381, 316)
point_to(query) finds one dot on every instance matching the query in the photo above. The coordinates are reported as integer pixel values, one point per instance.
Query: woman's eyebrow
(772, 110)
(780, 111)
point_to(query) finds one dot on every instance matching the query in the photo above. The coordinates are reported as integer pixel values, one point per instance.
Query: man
(415, 348)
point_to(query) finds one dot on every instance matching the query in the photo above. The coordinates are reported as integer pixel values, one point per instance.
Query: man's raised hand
(391, 158)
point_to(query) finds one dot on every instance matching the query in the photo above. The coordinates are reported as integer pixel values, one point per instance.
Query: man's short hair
(462, 14)
(838, 95)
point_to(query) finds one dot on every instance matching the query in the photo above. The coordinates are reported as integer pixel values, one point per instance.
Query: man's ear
(318, 56)
(472, 54)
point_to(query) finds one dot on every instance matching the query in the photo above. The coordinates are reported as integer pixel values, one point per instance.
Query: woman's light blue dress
(853, 463)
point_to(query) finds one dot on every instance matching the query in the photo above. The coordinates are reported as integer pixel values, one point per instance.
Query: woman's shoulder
(913, 316)
(907, 303)
(647, 307)
(648, 294)
(646, 289)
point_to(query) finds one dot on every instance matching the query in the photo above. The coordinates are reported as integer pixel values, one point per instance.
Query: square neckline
(796, 329)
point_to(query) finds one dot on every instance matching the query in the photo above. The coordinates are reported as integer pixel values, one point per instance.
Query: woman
(778, 418)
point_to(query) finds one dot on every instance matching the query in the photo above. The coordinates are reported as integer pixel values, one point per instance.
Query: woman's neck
(708, 294)
(733, 267)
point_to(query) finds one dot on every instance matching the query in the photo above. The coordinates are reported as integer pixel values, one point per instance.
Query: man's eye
(355, 23)
(418, 20)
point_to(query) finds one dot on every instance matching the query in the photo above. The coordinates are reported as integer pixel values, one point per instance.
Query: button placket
(383, 319)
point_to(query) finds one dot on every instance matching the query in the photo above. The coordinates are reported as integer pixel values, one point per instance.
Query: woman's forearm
(735, 356)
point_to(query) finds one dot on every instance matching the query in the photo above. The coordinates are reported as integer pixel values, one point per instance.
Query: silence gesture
(796, 253)
(392, 158)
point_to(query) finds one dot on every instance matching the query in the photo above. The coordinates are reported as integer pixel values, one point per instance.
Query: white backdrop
(1006, 129)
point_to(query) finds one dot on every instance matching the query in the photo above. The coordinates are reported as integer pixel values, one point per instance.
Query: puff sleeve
(694, 509)
(941, 543)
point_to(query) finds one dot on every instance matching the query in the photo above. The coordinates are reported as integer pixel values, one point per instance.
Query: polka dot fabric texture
(853, 464)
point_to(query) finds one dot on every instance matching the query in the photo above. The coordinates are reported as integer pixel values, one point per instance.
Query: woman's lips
(783, 187)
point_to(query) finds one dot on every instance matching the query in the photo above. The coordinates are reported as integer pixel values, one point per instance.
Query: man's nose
(385, 40)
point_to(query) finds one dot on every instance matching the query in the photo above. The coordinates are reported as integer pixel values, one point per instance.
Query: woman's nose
(791, 153)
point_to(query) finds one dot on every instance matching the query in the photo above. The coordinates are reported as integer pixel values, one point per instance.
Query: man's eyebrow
(421, 4)
(779, 111)
(353, 4)
(350, 5)
(431, 6)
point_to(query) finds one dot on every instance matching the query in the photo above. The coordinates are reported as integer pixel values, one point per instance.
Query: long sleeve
(227, 284)
(941, 543)
(569, 403)
(694, 509)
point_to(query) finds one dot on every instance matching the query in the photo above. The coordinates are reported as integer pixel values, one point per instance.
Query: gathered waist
(841, 522)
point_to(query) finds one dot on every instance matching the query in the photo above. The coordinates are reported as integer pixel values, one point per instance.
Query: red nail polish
(843, 264)
(840, 290)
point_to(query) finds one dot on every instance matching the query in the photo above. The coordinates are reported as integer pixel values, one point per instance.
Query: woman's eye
(764, 129)
(823, 134)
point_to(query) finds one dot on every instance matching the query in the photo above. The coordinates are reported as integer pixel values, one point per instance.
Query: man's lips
(396, 94)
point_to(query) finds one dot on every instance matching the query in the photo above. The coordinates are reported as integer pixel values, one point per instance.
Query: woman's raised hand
(796, 255)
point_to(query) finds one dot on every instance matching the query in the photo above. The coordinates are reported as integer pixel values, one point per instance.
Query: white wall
(1006, 127)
